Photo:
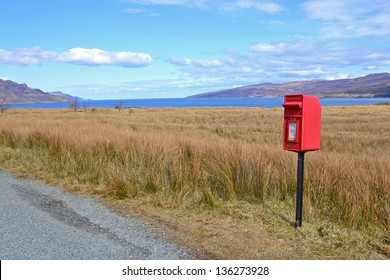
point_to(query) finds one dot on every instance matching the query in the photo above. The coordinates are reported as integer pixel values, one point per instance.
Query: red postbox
(302, 123)
(301, 133)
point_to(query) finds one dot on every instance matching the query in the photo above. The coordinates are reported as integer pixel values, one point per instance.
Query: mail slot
(302, 123)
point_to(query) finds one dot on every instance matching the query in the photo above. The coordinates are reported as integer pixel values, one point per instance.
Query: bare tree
(3, 104)
(119, 106)
(74, 104)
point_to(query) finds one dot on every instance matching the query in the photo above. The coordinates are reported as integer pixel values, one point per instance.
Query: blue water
(199, 102)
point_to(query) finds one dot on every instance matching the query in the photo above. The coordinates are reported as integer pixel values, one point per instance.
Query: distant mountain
(373, 85)
(11, 92)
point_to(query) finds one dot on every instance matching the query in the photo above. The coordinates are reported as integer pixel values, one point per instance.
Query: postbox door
(292, 133)
(292, 128)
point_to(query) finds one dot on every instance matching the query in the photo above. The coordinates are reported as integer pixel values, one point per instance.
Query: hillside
(12, 92)
(373, 85)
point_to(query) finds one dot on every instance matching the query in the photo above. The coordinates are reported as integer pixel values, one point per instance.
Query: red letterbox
(302, 123)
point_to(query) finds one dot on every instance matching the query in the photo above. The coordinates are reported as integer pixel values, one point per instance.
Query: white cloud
(81, 56)
(370, 67)
(265, 6)
(279, 48)
(337, 76)
(25, 56)
(190, 3)
(310, 71)
(226, 5)
(268, 48)
(287, 61)
(206, 63)
(96, 57)
(180, 61)
(132, 11)
(350, 18)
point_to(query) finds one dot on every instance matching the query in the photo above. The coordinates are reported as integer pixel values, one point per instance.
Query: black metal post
(299, 203)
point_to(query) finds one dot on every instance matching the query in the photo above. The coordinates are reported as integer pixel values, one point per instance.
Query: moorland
(216, 180)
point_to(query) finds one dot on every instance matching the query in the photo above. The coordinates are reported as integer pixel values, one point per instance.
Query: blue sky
(111, 49)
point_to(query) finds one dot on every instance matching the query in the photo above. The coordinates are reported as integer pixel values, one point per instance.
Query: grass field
(218, 180)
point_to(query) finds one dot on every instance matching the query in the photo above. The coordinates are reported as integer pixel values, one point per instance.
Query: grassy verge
(217, 180)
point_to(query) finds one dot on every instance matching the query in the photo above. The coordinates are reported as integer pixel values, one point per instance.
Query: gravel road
(40, 222)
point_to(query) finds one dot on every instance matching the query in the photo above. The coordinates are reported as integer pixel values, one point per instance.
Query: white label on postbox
(292, 131)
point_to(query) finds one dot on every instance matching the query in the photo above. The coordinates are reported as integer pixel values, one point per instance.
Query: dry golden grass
(220, 174)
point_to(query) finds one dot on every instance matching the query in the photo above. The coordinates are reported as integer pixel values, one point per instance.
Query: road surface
(40, 222)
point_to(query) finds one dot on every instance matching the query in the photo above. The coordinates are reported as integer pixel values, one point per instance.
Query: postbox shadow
(284, 218)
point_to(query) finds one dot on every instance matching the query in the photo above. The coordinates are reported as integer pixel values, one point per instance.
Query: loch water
(198, 102)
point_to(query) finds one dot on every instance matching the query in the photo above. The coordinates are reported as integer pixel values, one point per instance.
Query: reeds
(192, 157)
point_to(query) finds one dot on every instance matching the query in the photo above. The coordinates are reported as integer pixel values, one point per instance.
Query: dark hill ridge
(373, 85)
(12, 92)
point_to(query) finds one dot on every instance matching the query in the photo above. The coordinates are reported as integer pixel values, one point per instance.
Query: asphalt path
(40, 222)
